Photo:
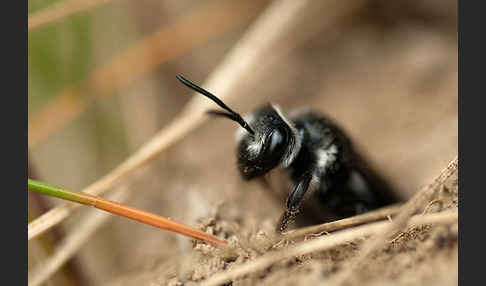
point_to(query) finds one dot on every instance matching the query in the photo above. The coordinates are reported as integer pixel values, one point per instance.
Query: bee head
(274, 142)
(266, 139)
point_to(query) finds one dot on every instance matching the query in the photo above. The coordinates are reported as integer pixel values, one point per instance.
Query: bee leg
(294, 201)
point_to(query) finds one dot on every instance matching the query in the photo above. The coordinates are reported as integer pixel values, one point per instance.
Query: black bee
(315, 151)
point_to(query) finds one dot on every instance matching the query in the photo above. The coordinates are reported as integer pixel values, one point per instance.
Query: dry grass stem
(323, 243)
(126, 67)
(246, 54)
(412, 206)
(344, 223)
(60, 11)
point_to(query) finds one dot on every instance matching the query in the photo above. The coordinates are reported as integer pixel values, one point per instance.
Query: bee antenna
(231, 115)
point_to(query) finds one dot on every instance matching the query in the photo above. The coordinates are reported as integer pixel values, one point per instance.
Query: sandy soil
(420, 255)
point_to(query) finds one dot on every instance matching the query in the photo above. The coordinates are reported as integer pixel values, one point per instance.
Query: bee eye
(276, 142)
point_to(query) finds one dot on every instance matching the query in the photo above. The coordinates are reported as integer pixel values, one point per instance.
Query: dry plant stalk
(61, 11)
(145, 56)
(324, 243)
(344, 223)
(412, 206)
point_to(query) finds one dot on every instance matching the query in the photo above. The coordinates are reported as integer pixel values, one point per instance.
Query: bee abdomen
(343, 186)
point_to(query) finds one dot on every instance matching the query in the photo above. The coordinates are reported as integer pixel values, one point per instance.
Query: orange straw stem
(156, 220)
(123, 210)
